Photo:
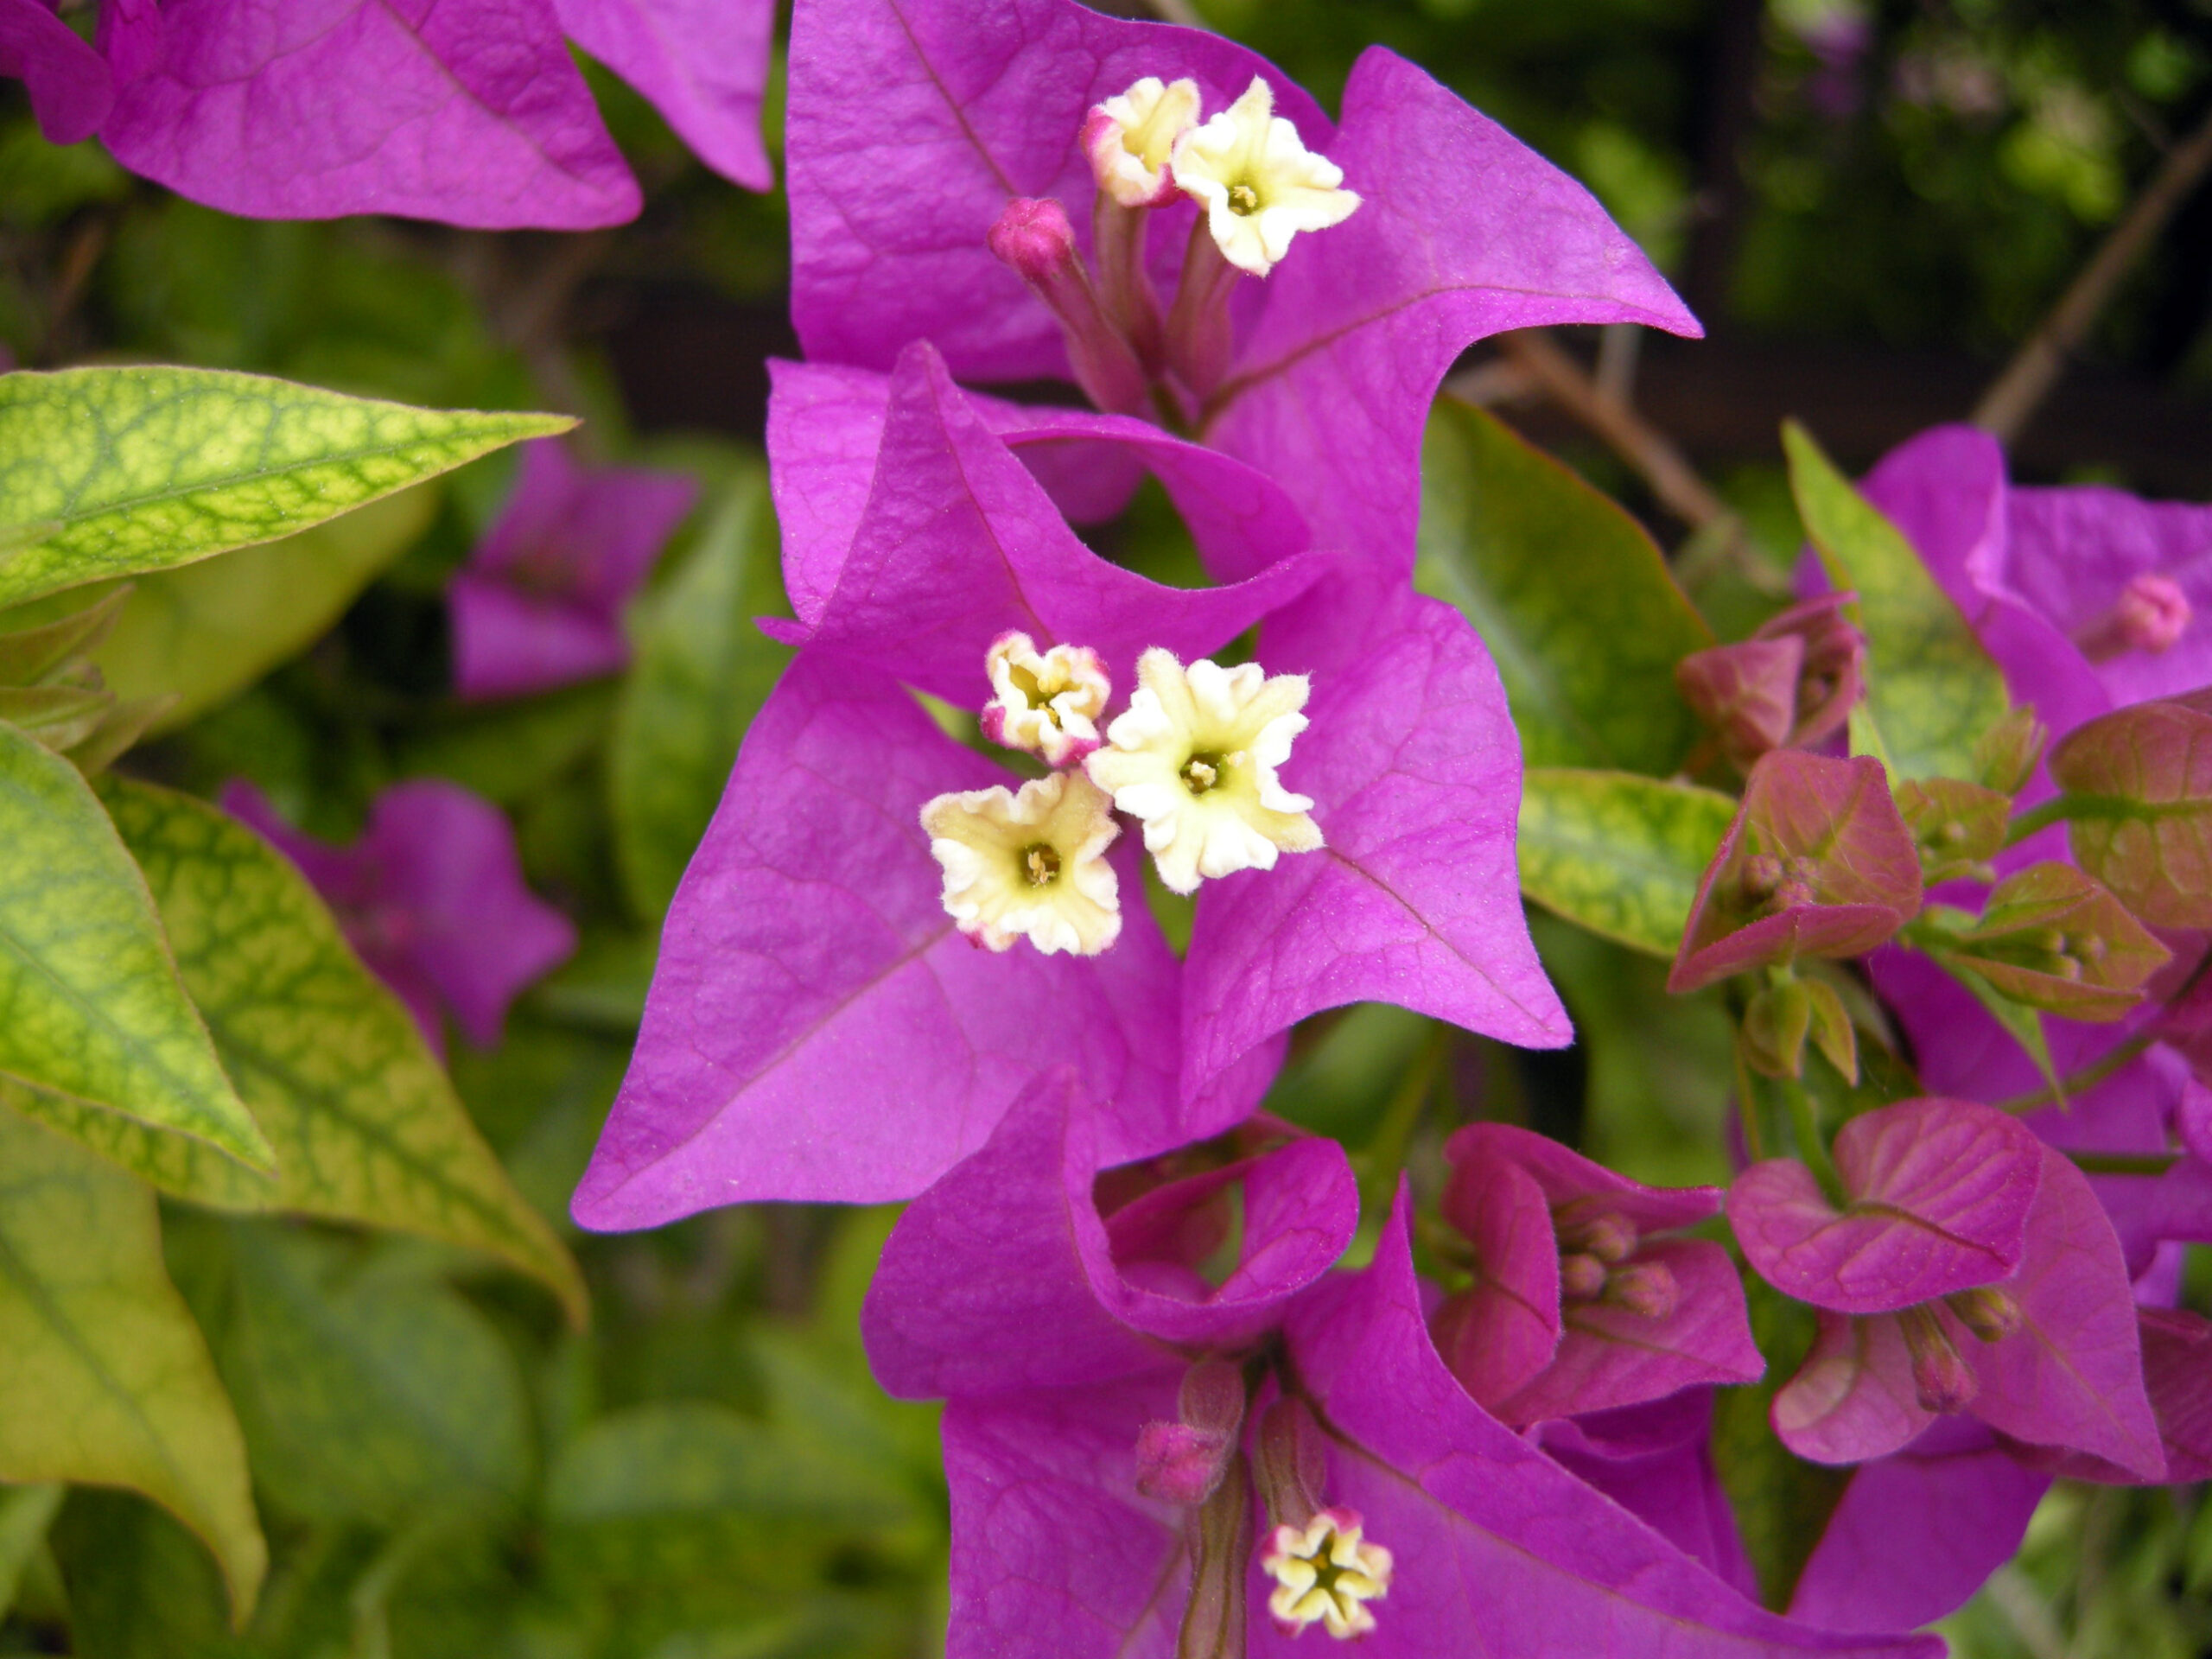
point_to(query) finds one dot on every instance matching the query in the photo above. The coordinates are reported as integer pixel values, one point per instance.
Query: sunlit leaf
(135, 469)
(1618, 853)
(96, 1016)
(107, 1380)
(1569, 592)
(1932, 691)
(366, 1125)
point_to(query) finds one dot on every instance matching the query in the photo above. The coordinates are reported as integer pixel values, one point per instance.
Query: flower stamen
(1031, 865)
(1325, 1574)
(1193, 758)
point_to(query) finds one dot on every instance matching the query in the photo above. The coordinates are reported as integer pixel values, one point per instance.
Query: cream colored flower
(1044, 703)
(1258, 182)
(1193, 758)
(1325, 1574)
(1030, 864)
(1130, 138)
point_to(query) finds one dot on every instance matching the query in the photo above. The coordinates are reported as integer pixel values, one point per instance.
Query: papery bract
(1817, 863)
(68, 81)
(1937, 1198)
(432, 897)
(2145, 830)
(2050, 938)
(1526, 1347)
(912, 127)
(471, 113)
(539, 603)
(1004, 1288)
(1916, 1532)
(818, 1028)
(2043, 574)
(2063, 1368)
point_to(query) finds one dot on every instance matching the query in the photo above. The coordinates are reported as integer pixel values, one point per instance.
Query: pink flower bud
(1940, 1373)
(2150, 613)
(1035, 240)
(1179, 1463)
(1647, 1288)
(1581, 1278)
(1607, 1234)
(1034, 236)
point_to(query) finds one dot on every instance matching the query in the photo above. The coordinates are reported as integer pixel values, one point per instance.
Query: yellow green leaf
(108, 472)
(106, 1379)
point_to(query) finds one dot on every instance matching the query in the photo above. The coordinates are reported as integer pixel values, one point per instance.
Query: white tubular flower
(1259, 183)
(1326, 1574)
(1031, 865)
(1044, 703)
(1130, 139)
(1193, 758)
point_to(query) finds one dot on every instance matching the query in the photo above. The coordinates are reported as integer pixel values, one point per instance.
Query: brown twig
(2013, 398)
(1635, 439)
(1178, 12)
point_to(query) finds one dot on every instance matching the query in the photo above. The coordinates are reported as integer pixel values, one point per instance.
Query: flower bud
(2052, 939)
(2008, 752)
(1747, 692)
(1647, 1288)
(1179, 1464)
(2150, 613)
(1581, 1278)
(1987, 1311)
(1958, 827)
(1775, 1025)
(1940, 1373)
(1033, 238)
(1606, 1234)
(2146, 829)
(1817, 863)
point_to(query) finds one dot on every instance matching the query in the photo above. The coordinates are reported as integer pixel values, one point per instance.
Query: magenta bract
(1817, 863)
(2062, 1367)
(1003, 1287)
(472, 113)
(2088, 597)
(1657, 1315)
(432, 897)
(70, 87)
(2148, 837)
(1937, 1198)
(539, 604)
(913, 126)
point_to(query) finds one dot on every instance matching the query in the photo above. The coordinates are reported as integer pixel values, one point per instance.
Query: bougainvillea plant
(1077, 777)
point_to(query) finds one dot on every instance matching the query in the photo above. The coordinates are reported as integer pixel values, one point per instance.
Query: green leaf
(1618, 853)
(145, 468)
(676, 1491)
(106, 1379)
(25, 1513)
(703, 671)
(29, 654)
(1932, 691)
(1572, 596)
(368, 1397)
(365, 1122)
(202, 633)
(509, 751)
(95, 1016)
